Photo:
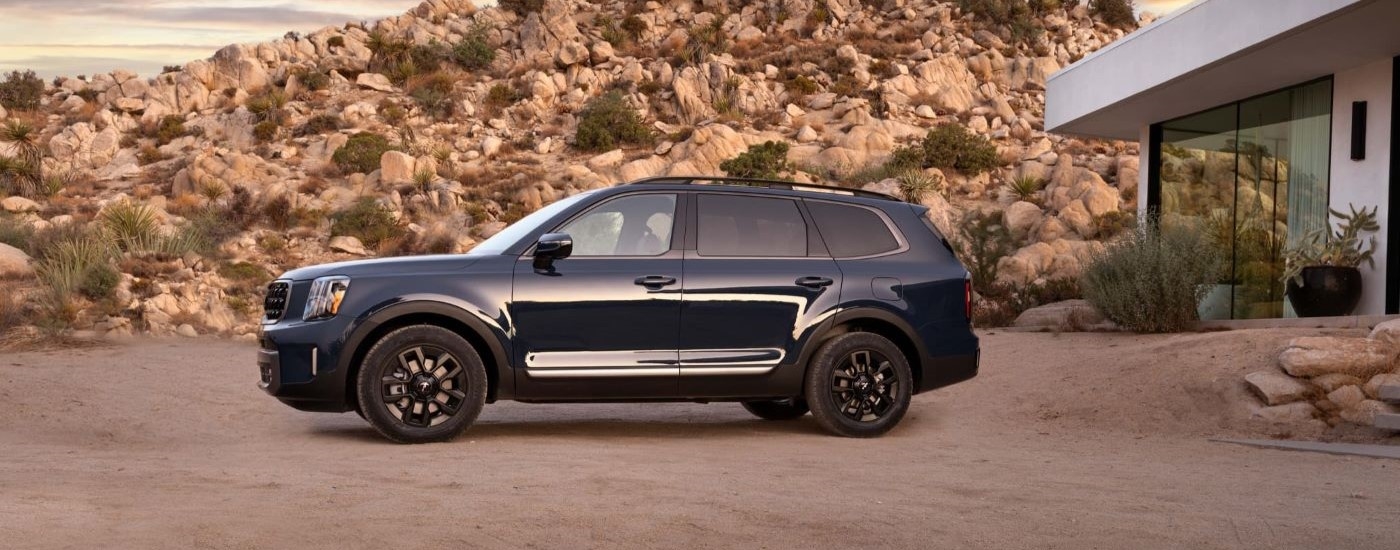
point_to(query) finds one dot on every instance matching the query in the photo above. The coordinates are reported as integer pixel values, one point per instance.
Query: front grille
(275, 305)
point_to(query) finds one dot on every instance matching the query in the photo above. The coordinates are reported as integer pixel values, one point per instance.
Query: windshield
(512, 234)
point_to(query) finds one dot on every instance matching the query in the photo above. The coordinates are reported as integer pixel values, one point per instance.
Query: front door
(757, 279)
(604, 323)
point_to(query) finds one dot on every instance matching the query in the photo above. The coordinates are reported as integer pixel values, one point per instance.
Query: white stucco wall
(1365, 182)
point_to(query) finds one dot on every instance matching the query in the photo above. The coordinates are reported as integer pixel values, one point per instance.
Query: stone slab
(1389, 394)
(1344, 449)
(1388, 422)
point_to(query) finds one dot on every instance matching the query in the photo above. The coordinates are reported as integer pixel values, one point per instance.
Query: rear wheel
(777, 409)
(421, 384)
(859, 385)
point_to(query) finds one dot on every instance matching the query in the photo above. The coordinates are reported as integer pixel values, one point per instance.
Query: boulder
(1277, 388)
(1346, 397)
(1021, 217)
(572, 53)
(396, 167)
(605, 161)
(19, 205)
(1319, 355)
(348, 245)
(1373, 387)
(14, 263)
(374, 81)
(1365, 412)
(1330, 382)
(1067, 316)
(1388, 332)
(1292, 413)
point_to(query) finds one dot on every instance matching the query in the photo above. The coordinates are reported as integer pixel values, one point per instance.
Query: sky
(85, 37)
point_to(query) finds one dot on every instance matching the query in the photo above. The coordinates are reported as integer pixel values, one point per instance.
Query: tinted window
(852, 231)
(638, 225)
(735, 225)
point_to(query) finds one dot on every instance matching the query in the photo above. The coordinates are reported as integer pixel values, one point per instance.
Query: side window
(736, 225)
(852, 231)
(636, 225)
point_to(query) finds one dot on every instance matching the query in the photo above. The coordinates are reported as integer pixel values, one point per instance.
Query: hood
(383, 266)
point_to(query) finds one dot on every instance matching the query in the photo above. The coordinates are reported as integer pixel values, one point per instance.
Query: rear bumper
(944, 371)
(297, 369)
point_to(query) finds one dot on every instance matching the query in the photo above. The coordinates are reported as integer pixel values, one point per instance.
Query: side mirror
(550, 247)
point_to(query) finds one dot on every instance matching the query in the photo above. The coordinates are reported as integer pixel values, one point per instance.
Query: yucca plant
(131, 227)
(915, 184)
(1026, 188)
(24, 172)
(423, 179)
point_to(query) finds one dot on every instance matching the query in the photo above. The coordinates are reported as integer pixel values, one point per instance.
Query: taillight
(967, 298)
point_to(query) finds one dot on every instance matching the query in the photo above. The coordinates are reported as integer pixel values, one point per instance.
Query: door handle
(655, 281)
(815, 282)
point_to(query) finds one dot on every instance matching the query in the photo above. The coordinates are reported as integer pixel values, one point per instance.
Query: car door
(758, 280)
(604, 322)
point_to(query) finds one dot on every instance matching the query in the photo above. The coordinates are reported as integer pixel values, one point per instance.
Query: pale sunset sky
(72, 37)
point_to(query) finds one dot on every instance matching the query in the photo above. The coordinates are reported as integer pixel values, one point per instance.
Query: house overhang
(1214, 52)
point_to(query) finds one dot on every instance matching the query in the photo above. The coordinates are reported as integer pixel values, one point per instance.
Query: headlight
(326, 295)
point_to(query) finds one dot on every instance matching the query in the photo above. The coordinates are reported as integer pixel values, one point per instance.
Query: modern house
(1255, 117)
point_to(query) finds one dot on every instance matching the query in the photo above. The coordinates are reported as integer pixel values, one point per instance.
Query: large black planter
(1327, 291)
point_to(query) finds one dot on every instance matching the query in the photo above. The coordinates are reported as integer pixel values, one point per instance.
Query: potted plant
(1321, 272)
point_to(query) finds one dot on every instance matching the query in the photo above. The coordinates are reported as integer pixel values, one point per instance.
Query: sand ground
(1064, 441)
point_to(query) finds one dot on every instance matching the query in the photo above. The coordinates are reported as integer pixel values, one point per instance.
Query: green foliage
(1111, 224)
(1018, 16)
(949, 146)
(267, 106)
(634, 26)
(367, 220)
(982, 241)
(1042, 7)
(705, 40)
(336, 42)
(474, 52)
(521, 7)
(22, 173)
(1153, 279)
(15, 232)
(401, 59)
(1344, 248)
(764, 161)
(244, 275)
(78, 266)
(361, 153)
(266, 131)
(802, 85)
(434, 94)
(1115, 13)
(21, 91)
(320, 124)
(607, 122)
(315, 80)
(915, 184)
(1000, 304)
(130, 226)
(1026, 188)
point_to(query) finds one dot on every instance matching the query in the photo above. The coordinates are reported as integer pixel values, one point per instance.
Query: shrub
(1025, 188)
(21, 91)
(315, 80)
(130, 226)
(634, 27)
(336, 42)
(474, 52)
(169, 128)
(764, 161)
(1018, 16)
(24, 172)
(361, 153)
(1116, 13)
(246, 277)
(1152, 280)
(1042, 7)
(171, 69)
(983, 240)
(149, 154)
(266, 131)
(78, 266)
(949, 146)
(521, 7)
(1000, 304)
(368, 221)
(607, 122)
(434, 94)
(705, 40)
(320, 124)
(500, 96)
(15, 233)
(267, 106)
(915, 184)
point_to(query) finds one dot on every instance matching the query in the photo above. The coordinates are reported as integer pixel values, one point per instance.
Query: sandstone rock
(187, 331)
(1364, 412)
(490, 145)
(572, 53)
(348, 245)
(1277, 388)
(605, 161)
(806, 134)
(1067, 316)
(14, 263)
(1021, 217)
(1292, 413)
(19, 205)
(374, 81)
(396, 167)
(601, 51)
(1346, 397)
(1388, 332)
(1373, 387)
(1319, 355)
(1330, 382)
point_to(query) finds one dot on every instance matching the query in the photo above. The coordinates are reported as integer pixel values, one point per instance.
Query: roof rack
(756, 182)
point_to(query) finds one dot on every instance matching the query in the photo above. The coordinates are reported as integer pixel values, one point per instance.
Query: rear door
(757, 282)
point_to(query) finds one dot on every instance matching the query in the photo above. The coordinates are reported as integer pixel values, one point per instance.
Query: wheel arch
(435, 312)
(876, 321)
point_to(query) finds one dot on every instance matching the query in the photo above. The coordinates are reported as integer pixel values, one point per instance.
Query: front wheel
(421, 384)
(859, 385)
(778, 409)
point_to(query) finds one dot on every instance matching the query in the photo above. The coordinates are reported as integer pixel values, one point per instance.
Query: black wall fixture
(1358, 130)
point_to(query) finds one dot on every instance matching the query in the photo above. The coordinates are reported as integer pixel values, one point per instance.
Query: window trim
(678, 225)
(693, 237)
(884, 217)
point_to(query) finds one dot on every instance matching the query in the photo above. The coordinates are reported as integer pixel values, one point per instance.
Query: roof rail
(756, 182)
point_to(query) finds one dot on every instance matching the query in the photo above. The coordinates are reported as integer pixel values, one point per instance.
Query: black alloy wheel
(421, 384)
(859, 385)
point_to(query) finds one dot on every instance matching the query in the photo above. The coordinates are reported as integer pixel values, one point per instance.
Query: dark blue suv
(785, 297)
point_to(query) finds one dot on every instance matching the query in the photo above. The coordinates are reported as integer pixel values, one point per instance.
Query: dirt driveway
(1071, 441)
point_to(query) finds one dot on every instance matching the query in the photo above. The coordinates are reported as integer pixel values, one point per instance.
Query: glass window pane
(734, 225)
(637, 225)
(852, 231)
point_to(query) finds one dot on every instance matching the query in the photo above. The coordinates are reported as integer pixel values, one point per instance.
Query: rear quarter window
(852, 231)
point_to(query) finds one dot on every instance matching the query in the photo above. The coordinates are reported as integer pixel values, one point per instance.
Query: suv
(781, 296)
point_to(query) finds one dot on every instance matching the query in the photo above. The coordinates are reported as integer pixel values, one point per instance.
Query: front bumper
(300, 369)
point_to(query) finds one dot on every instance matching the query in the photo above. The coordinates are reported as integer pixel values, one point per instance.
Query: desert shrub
(1111, 224)
(336, 42)
(315, 80)
(149, 154)
(634, 27)
(1018, 16)
(245, 277)
(982, 241)
(21, 91)
(949, 146)
(765, 161)
(915, 184)
(1153, 279)
(267, 106)
(361, 153)
(81, 266)
(705, 40)
(368, 221)
(434, 93)
(1042, 7)
(1000, 304)
(607, 122)
(320, 124)
(393, 113)
(474, 51)
(266, 131)
(1116, 13)
(500, 96)
(1025, 188)
(521, 7)
(130, 226)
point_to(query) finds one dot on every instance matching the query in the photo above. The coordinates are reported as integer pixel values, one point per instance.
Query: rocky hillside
(163, 205)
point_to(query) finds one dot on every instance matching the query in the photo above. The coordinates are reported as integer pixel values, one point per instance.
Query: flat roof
(1213, 52)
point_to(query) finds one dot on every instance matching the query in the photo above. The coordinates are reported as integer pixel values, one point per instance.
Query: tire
(859, 385)
(777, 409)
(432, 404)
